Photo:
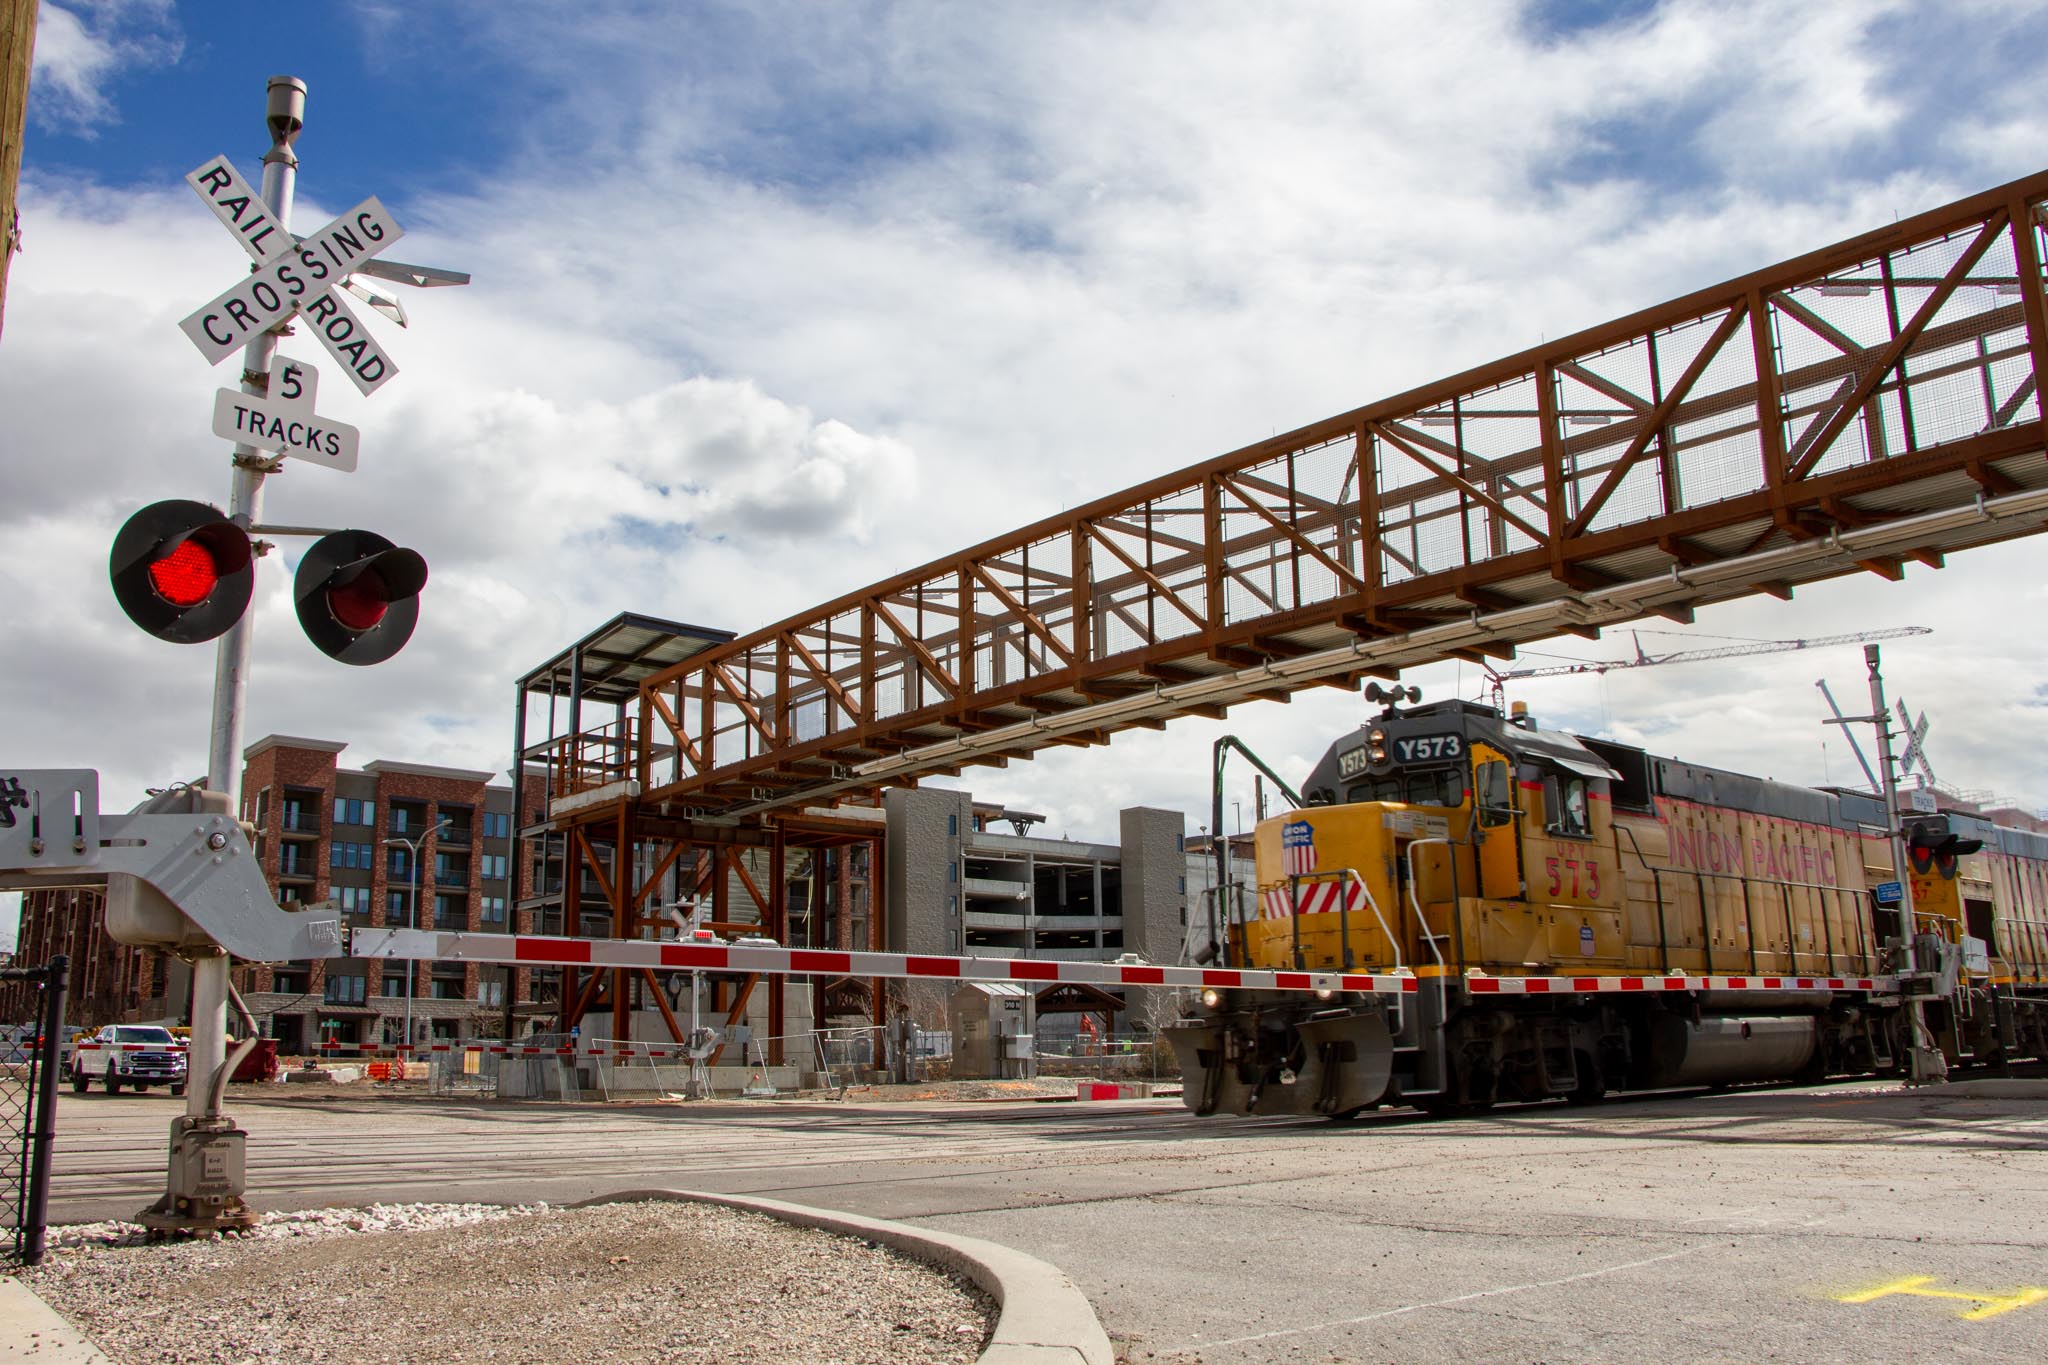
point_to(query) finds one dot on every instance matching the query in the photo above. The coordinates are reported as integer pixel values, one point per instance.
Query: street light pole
(413, 922)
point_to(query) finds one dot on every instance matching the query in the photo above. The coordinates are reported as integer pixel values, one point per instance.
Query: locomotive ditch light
(1211, 997)
(182, 571)
(357, 596)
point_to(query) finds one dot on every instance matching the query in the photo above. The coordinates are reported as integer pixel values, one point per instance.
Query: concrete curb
(1043, 1318)
(1991, 1088)
(32, 1330)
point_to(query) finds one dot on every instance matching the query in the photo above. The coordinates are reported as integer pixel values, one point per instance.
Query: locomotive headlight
(1211, 997)
(1377, 754)
(1325, 993)
(1376, 737)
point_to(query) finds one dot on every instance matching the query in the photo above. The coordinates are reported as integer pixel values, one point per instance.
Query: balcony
(453, 836)
(305, 869)
(451, 924)
(457, 877)
(298, 823)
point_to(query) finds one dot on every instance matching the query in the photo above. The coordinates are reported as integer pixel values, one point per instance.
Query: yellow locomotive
(1581, 916)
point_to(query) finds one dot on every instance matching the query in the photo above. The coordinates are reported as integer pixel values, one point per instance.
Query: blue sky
(773, 300)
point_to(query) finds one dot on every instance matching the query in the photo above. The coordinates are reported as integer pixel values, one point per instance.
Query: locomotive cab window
(1444, 787)
(1566, 802)
(1490, 789)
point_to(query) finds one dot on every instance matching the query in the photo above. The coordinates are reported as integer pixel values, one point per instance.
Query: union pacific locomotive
(1580, 915)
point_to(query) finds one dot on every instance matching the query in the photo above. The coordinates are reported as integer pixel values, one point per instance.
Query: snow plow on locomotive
(1584, 916)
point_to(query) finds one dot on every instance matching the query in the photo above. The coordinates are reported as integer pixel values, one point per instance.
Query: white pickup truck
(135, 1055)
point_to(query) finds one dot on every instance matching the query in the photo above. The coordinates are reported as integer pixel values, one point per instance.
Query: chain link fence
(31, 1056)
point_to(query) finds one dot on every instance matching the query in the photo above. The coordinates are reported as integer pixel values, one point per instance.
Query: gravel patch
(613, 1283)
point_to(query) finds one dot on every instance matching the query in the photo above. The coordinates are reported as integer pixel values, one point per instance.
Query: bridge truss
(1856, 409)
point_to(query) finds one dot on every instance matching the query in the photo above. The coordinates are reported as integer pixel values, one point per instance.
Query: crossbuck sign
(293, 275)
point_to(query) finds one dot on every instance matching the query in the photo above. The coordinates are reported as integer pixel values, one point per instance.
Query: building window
(394, 906)
(952, 826)
(490, 992)
(345, 990)
(360, 857)
(953, 872)
(395, 982)
(494, 866)
(497, 825)
(494, 910)
(349, 811)
(355, 900)
(447, 988)
(400, 863)
(451, 912)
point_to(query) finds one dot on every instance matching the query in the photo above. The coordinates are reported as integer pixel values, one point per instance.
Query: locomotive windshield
(1440, 787)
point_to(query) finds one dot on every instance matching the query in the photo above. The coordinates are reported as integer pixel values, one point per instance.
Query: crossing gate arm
(772, 960)
(634, 954)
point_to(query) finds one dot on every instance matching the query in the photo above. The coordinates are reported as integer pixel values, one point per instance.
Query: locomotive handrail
(1443, 985)
(1786, 885)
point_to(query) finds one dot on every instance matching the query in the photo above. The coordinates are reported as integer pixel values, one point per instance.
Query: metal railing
(33, 1057)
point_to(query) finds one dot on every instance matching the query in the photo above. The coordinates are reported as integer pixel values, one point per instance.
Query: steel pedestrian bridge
(1854, 409)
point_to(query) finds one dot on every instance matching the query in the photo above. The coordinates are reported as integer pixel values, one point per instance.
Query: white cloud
(797, 299)
(82, 47)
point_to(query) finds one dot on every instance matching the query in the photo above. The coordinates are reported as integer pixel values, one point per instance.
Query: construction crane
(1687, 656)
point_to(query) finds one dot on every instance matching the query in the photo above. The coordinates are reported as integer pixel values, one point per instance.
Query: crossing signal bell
(358, 596)
(182, 571)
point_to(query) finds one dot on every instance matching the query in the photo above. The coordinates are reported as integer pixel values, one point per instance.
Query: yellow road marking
(1989, 1305)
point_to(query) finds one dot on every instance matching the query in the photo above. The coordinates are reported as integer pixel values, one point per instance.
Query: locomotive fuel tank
(1724, 1050)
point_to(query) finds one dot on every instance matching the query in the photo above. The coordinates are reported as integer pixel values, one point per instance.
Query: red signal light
(182, 571)
(185, 576)
(357, 596)
(361, 602)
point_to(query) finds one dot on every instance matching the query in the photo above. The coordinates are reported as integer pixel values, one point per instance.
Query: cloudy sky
(773, 300)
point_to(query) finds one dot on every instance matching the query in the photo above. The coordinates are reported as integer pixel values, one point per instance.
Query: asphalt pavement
(1799, 1224)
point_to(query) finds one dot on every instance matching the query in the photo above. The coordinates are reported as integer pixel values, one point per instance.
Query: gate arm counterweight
(179, 870)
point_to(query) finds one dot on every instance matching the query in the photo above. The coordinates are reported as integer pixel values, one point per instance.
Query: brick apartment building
(366, 841)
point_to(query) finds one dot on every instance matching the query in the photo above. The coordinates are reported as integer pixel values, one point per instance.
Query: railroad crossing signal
(182, 571)
(358, 596)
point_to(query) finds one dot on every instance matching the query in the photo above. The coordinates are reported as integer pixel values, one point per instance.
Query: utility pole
(17, 56)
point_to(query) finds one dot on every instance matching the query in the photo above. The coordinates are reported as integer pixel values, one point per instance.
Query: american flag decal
(1298, 848)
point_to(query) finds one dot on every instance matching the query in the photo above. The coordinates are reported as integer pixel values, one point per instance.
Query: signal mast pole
(1926, 1062)
(285, 114)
